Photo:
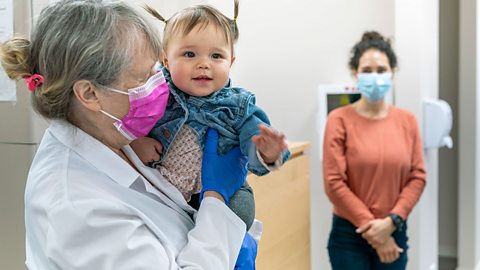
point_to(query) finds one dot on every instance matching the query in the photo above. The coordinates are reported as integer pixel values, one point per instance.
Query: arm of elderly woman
(98, 234)
(105, 234)
(222, 176)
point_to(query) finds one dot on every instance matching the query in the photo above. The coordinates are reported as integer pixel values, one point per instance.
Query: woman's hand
(147, 149)
(389, 251)
(377, 231)
(224, 174)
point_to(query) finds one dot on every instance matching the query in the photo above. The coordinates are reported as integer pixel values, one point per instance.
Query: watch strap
(398, 222)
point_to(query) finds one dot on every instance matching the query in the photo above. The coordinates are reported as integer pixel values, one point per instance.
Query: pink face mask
(147, 106)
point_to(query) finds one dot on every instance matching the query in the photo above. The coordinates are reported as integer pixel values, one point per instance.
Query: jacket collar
(95, 152)
(108, 162)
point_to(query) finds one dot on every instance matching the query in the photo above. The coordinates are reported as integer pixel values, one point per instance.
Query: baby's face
(199, 62)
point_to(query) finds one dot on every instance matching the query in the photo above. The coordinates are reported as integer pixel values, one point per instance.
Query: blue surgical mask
(374, 86)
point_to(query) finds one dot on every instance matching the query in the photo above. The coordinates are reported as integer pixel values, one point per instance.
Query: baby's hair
(372, 40)
(187, 19)
(155, 13)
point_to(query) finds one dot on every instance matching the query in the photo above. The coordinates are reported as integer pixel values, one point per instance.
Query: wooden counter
(282, 201)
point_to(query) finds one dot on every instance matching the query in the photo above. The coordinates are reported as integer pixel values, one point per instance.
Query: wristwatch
(398, 222)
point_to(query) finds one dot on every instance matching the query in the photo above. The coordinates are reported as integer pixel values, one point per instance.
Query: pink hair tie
(33, 81)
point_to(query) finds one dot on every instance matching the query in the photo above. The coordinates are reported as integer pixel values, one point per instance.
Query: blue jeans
(349, 251)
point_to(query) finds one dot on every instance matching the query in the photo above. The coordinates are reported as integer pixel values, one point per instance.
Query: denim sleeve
(247, 127)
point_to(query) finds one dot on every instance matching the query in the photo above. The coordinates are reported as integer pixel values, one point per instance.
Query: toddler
(198, 53)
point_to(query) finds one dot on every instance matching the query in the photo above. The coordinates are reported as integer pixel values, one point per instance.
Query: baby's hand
(147, 149)
(270, 143)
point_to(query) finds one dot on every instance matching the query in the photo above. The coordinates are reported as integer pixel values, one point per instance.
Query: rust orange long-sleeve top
(372, 167)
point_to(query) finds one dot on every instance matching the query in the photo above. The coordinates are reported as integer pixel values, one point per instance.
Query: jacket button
(167, 133)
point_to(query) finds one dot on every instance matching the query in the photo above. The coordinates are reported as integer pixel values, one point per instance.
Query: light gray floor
(447, 263)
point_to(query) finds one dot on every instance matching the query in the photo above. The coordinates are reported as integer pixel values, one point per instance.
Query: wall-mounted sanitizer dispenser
(437, 124)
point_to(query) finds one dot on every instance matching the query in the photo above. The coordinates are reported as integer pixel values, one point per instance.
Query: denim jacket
(231, 111)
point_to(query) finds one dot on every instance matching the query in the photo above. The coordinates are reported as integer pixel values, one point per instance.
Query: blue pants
(349, 251)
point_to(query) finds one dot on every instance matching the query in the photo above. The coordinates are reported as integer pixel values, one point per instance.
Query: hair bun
(14, 57)
(372, 40)
(373, 35)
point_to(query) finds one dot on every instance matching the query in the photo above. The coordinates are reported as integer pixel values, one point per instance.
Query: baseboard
(447, 251)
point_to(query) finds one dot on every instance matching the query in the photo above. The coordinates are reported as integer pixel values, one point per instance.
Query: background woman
(372, 165)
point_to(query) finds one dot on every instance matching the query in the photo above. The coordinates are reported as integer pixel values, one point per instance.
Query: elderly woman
(90, 202)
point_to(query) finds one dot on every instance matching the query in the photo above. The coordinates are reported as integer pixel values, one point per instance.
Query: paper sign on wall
(8, 88)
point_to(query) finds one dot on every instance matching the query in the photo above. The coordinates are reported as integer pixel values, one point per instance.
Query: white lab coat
(86, 208)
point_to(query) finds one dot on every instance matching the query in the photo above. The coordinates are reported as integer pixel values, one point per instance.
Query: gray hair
(77, 40)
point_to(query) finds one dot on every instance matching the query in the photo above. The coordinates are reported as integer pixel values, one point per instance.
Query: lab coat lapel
(156, 178)
(144, 188)
(95, 152)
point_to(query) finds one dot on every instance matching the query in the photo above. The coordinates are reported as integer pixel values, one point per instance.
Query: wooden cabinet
(282, 201)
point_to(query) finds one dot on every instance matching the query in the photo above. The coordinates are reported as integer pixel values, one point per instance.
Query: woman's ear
(232, 61)
(86, 95)
(394, 72)
(354, 73)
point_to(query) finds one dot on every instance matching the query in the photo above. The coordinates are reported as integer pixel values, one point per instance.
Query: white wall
(286, 48)
(416, 30)
(165, 8)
